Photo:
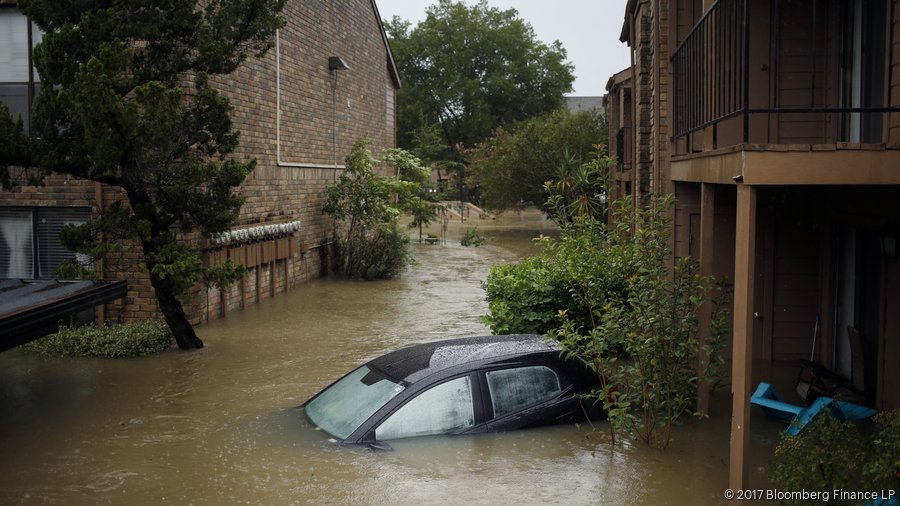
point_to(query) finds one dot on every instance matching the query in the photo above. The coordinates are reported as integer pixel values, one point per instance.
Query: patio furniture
(773, 404)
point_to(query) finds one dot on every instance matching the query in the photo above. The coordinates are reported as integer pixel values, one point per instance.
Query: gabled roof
(391, 64)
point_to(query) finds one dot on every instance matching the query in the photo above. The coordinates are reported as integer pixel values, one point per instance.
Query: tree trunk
(174, 314)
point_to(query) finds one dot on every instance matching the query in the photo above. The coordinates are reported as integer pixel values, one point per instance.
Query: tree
(472, 69)
(125, 100)
(511, 168)
(611, 295)
(365, 205)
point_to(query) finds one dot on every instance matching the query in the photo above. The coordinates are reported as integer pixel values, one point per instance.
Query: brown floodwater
(221, 425)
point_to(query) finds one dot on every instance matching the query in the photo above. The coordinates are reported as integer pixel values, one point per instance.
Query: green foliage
(111, 109)
(644, 339)
(471, 69)
(621, 306)
(512, 167)
(108, 341)
(471, 238)
(579, 191)
(830, 454)
(525, 298)
(571, 274)
(380, 254)
(363, 204)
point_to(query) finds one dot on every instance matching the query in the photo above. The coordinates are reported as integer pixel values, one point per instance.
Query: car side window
(513, 389)
(444, 408)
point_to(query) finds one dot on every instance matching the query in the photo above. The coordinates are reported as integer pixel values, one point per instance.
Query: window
(442, 409)
(343, 406)
(29, 239)
(18, 77)
(513, 389)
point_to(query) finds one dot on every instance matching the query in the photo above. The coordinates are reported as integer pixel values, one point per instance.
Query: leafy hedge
(108, 341)
(836, 455)
(525, 298)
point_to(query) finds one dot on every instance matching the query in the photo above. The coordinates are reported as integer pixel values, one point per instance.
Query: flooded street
(221, 425)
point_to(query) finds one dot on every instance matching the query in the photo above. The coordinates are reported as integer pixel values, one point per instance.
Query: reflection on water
(220, 426)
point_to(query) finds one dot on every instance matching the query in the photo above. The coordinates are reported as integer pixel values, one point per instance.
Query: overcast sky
(588, 29)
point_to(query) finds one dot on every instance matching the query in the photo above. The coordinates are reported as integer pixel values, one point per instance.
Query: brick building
(298, 116)
(776, 124)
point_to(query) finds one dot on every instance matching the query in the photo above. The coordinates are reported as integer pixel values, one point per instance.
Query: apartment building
(329, 80)
(776, 123)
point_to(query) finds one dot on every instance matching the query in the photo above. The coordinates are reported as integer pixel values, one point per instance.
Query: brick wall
(359, 104)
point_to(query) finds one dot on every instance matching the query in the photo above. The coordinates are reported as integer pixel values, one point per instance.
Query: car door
(445, 408)
(526, 396)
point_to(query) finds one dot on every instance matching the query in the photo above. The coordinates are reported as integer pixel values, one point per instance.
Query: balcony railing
(710, 69)
(714, 81)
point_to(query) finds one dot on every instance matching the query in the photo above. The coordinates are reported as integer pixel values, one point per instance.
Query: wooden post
(707, 223)
(742, 355)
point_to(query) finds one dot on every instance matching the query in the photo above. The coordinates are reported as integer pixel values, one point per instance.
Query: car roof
(416, 362)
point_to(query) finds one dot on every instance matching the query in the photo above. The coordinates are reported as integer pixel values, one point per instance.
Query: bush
(526, 298)
(832, 455)
(380, 254)
(609, 295)
(471, 238)
(109, 341)
(365, 206)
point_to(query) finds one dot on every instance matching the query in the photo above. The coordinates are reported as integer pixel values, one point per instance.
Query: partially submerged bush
(365, 206)
(525, 298)
(380, 254)
(611, 295)
(832, 455)
(471, 238)
(108, 341)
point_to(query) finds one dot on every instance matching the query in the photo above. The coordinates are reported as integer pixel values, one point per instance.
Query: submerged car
(458, 386)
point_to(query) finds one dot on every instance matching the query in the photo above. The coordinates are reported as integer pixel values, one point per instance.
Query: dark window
(514, 389)
(29, 239)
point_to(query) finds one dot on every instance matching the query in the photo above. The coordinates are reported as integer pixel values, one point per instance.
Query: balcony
(787, 75)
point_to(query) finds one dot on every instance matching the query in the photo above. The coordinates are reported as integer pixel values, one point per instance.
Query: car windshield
(345, 405)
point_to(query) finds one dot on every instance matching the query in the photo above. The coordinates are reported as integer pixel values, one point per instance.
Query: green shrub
(380, 254)
(365, 206)
(834, 455)
(525, 298)
(108, 341)
(610, 296)
(471, 238)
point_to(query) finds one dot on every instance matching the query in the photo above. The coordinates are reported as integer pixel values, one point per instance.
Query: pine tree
(125, 100)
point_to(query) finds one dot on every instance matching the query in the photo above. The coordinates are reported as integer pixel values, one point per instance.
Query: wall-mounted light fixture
(335, 63)
(887, 238)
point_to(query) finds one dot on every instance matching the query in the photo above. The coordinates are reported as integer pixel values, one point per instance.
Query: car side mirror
(381, 446)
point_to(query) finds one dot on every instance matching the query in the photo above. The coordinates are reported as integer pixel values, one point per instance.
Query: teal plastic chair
(773, 404)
